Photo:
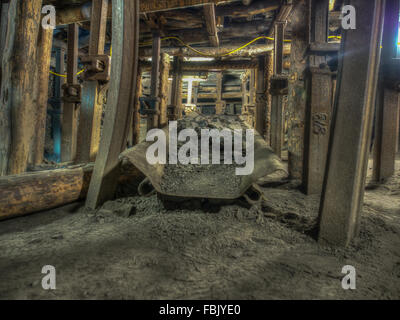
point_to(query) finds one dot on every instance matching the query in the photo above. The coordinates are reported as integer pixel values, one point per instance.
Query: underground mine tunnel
(199, 150)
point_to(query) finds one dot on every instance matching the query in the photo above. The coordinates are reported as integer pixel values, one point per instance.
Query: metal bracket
(279, 85)
(72, 93)
(148, 105)
(97, 67)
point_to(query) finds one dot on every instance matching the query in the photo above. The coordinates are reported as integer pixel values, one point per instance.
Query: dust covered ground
(266, 252)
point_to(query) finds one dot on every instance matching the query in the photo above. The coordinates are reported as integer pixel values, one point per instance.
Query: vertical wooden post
(135, 127)
(91, 105)
(261, 94)
(219, 104)
(319, 109)
(8, 26)
(244, 91)
(69, 119)
(278, 90)
(22, 83)
(343, 192)
(387, 100)
(297, 95)
(125, 43)
(175, 109)
(196, 86)
(43, 68)
(153, 115)
(163, 95)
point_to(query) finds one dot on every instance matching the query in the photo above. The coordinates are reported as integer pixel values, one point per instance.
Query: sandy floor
(267, 252)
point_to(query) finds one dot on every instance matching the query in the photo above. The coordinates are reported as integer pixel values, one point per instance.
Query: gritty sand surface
(266, 252)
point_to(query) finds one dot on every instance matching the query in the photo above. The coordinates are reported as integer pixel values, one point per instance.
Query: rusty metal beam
(343, 191)
(120, 103)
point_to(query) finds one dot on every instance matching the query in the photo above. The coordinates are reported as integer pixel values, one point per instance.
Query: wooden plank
(43, 68)
(211, 24)
(70, 112)
(92, 103)
(343, 192)
(125, 42)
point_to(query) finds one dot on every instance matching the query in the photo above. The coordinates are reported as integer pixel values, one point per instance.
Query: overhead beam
(211, 24)
(250, 51)
(82, 13)
(343, 191)
(238, 10)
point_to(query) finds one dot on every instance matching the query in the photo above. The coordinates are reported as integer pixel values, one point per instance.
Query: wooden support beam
(196, 86)
(175, 109)
(125, 28)
(319, 109)
(218, 65)
(134, 136)
(43, 68)
(279, 90)
(92, 100)
(237, 9)
(250, 51)
(386, 130)
(262, 94)
(22, 83)
(211, 24)
(70, 110)
(297, 95)
(163, 95)
(153, 115)
(343, 192)
(80, 14)
(8, 27)
(43, 190)
(219, 104)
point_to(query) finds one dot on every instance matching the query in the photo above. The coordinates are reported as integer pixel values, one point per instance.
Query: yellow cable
(83, 70)
(63, 75)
